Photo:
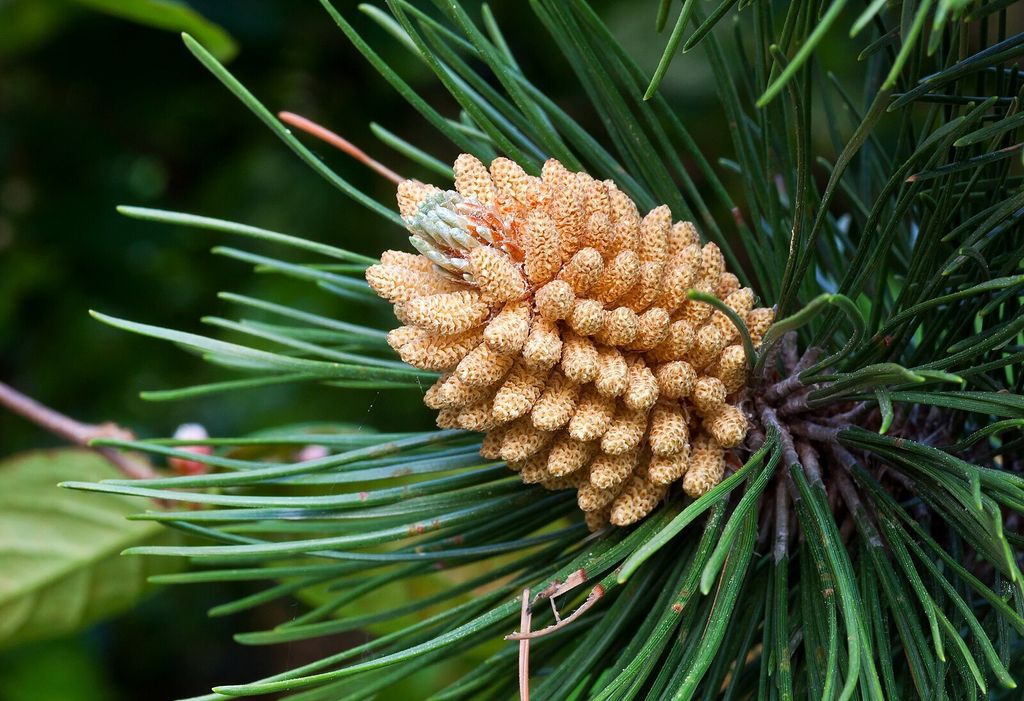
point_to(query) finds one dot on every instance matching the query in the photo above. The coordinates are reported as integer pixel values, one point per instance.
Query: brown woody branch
(76, 432)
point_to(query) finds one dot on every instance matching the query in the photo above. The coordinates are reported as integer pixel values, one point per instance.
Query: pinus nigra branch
(861, 536)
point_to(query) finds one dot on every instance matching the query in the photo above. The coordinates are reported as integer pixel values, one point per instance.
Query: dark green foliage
(868, 547)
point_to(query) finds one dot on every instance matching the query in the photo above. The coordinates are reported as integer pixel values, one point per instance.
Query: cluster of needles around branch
(810, 438)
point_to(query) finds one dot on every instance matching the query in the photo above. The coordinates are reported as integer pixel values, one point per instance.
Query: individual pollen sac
(558, 315)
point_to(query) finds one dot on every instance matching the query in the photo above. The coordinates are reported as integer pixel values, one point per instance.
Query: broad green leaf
(61, 549)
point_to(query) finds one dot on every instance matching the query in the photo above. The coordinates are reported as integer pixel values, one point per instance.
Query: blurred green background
(97, 111)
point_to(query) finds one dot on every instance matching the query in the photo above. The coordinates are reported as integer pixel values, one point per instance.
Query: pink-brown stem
(75, 431)
(340, 143)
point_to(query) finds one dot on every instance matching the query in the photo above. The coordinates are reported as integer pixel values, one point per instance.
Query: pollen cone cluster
(559, 318)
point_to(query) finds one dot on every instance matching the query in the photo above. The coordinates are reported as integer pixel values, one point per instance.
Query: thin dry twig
(557, 587)
(525, 616)
(550, 592)
(76, 432)
(340, 143)
(592, 598)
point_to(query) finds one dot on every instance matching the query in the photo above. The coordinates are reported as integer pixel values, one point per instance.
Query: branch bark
(75, 431)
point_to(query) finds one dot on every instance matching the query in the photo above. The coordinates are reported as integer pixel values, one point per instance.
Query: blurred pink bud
(184, 466)
(312, 452)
